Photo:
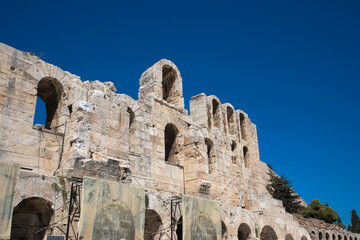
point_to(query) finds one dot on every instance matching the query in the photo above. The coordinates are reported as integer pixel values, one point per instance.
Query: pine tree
(316, 210)
(355, 222)
(280, 188)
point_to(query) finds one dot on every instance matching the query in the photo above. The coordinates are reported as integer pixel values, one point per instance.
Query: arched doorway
(31, 219)
(268, 233)
(244, 232)
(153, 225)
(304, 238)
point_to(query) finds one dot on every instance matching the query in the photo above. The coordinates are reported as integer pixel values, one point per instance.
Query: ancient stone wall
(152, 143)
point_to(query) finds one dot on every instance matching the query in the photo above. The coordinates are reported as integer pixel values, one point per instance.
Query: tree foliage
(317, 210)
(355, 222)
(280, 188)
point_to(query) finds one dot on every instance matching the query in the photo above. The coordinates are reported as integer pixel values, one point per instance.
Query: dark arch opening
(345, 237)
(171, 133)
(210, 152)
(216, 113)
(244, 232)
(339, 237)
(246, 156)
(268, 233)
(231, 120)
(31, 217)
(333, 237)
(320, 236)
(234, 156)
(131, 129)
(168, 82)
(303, 238)
(327, 236)
(49, 90)
(289, 237)
(242, 126)
(224, 231)
(153, 225)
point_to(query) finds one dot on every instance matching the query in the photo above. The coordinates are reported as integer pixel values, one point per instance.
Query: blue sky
(293, 66)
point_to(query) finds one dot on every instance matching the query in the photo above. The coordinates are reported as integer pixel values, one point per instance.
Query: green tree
(280, 188)
(317, 210)
(355, 222)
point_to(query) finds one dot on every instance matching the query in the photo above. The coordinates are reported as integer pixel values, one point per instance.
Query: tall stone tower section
(162, 81)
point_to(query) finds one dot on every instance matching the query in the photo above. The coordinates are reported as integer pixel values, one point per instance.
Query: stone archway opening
(31, 219)
(268, 233)
(49, 90)
(327, 236)
(304, 238)
(179, 229)
(153, 225)
(320, 236)
(244, 232)
(289, 237)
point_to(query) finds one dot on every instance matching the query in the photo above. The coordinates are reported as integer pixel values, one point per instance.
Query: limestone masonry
(152, 144)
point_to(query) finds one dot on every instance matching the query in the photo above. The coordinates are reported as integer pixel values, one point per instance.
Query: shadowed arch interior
(210, 154)
(268, 233)
(168, 83)
(244, 232)
(289, 237)
(153, 225)
(224, 231)
(171, 133)
(49, 90)
(216, 113)
(30, 219)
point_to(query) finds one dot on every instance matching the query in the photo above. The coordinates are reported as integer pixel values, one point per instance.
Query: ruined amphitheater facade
(130, 169)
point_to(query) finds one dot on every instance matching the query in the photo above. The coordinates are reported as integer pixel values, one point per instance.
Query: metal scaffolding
(74, 209)
(176, 217)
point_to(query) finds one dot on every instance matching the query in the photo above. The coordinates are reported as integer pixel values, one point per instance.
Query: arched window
(230, 120)
(246, 156)
(210, 154)
(242, 126)
(327, 236)
(131, 129)
(49, 90)
(31, 217)
(320, 235)
(233, 152)
(168, 82)
(171, 133)
(304, 238)
(216, 113)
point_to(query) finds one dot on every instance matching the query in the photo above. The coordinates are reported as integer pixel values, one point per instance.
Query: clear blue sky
(293, 66)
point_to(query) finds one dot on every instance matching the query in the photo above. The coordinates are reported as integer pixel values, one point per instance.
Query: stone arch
(169, 77)
(327, 236)
(242, 126)
(233, 152)
(350, 238)
(268, 233)
(345, 237)
(216, 113)
(31, 218)
(320, 235)
(244, 232)
(131, 129)
(210, 154)
(171, 133)
(304, 238)
(355, 238)
(230, 117)
(153, 225)
(289, 237)
(339, 237)
(224, 231)
(333, 236)
(246, 156)
(50, 91)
